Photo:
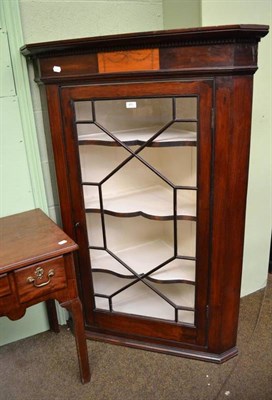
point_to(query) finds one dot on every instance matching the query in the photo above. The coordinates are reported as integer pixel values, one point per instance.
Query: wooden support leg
(52, 316)
(75, 308)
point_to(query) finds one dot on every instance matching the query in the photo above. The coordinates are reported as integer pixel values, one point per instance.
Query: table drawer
(40, 279)
(5, 288)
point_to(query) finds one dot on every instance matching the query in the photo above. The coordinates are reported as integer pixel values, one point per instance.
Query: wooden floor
(44, 367)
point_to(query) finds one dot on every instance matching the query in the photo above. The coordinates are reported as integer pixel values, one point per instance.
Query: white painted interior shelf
(152, 201)
(143, 258)
(139, 299)
(139, 135)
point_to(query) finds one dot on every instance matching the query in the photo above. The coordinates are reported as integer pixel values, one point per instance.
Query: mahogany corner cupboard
(151, 135)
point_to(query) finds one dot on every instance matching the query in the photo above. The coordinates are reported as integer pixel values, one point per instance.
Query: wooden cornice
(159, 39)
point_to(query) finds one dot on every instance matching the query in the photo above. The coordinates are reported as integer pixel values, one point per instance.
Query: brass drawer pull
(39, 275)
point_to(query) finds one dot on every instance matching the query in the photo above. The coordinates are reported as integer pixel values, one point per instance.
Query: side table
(36, 264)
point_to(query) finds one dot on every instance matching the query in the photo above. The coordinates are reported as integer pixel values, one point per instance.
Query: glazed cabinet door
(139, 164)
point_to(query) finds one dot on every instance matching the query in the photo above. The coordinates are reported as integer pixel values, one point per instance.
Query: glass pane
(83, 110)
(139, 242)
(94, 229)
(187, 317)
(137, 299)
(181, 294)
(97, 162)
(134, 121)
(138, 181)
(103, 261)
(107, 284)
(126, 191)
(91, 197)
(176, 164)
(186, 232)
(178, 133)
(102, 303)
(92, 132)
(177, 270)
(186, 203)
(186, 108)
(140, 299)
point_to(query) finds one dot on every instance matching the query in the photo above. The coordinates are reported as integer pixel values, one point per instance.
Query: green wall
(181, 13)
(44, 20)
(21, 181)
(259, 203)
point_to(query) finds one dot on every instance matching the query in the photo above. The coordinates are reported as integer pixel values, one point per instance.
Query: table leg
(52, 315)
(75, 308)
